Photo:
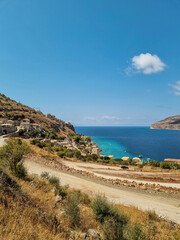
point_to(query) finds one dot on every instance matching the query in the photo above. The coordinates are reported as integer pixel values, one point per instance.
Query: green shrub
(77, 154)
(54, 181)
(165, 165)
(61, 154)
(20, 170)
(155, 163)
(72, 210)
(35, 133)
(45, 175)
(113, 229)
(77, 138)
(11, 156)
(69, 154)
(135, 232)
(101, 208)
(94, 157)
(61, 191)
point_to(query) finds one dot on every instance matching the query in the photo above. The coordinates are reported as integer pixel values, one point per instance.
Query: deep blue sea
(134, 141)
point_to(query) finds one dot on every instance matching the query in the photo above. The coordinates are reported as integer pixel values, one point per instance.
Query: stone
(92, 234)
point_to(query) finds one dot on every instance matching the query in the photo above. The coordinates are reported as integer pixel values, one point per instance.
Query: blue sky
(97, 62)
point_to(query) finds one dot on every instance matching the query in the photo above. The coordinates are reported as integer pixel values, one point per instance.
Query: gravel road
(168, 208)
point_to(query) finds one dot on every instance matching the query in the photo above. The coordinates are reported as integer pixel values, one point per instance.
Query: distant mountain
(12, 110)
(168, 123)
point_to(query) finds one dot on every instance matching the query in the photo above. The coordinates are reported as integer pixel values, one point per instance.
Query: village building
(137, 160)
(7, 127)
(95, 151)
(125, 158)
(27, 125)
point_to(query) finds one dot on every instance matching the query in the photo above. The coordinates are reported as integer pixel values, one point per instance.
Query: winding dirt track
(168, 208)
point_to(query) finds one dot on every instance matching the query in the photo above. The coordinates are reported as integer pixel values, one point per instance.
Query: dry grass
(30, 213)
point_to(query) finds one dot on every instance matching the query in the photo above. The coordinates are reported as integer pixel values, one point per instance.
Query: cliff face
(168, 123)
(15, 111)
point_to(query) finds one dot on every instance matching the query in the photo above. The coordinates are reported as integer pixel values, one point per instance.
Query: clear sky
(93, 62)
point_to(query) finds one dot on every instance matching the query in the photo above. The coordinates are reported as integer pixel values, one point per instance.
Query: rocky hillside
(13, 110)
(168, 123)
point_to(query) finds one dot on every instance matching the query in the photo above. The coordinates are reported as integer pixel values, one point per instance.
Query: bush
(94, 157)
(113, 229)
(72, 210)
(54, 181)
(20, 171)
(101, 208)
(135, 232)
(45, 175)
(35, 133)
(165, 165)
(69, 154)
(61, 154)
(155, 163)
(61, 191)
(77, 154)
(77, 138)
(12, 156)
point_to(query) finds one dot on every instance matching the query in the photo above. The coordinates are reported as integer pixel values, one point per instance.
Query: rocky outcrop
(168, 123)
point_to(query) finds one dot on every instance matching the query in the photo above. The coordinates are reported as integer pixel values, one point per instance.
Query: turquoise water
(111, 147)
(134, 141)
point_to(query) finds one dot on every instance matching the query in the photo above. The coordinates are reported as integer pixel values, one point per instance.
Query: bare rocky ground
(99, 179)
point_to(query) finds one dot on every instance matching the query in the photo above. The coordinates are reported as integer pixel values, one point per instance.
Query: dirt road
(115, 172)
(168, 208)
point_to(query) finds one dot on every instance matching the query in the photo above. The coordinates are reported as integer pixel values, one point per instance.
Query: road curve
(168, 208)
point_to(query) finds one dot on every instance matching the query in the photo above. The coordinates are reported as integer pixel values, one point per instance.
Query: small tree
(12, 154)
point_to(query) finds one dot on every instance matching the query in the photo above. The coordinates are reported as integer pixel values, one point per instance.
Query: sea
(156, 144)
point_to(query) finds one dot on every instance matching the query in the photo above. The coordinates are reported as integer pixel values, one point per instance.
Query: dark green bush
(165, 165)
(61, 191)
(77, 154)
(113, 229)
(45, 175)
(54, 181)
(155, 163)
(77, 138)
(61, 154)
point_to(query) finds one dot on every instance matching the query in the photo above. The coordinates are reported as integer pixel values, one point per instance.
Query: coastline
(135, 141)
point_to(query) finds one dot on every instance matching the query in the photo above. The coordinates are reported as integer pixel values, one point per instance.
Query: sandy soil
(166, 207)
(113, 172)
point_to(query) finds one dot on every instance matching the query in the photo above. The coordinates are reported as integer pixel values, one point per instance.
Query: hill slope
(13, 110)
(172, 122)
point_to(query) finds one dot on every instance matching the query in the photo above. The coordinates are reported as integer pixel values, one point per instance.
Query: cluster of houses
(10, 126)
(72, 145)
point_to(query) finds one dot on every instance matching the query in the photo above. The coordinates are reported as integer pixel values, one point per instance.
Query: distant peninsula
(172, 122)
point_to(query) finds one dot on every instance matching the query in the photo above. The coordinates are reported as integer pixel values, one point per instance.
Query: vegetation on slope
(13, 110)
(41, 208)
